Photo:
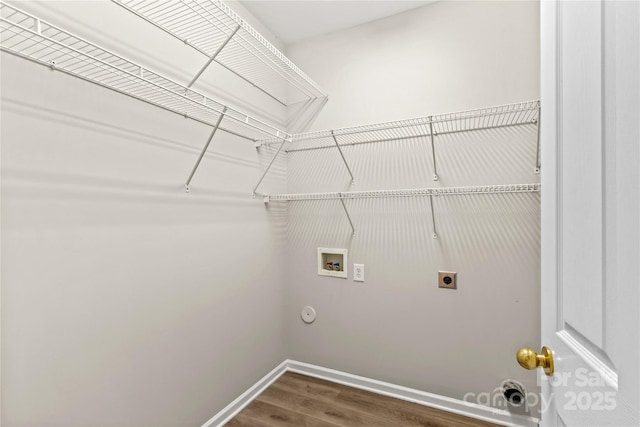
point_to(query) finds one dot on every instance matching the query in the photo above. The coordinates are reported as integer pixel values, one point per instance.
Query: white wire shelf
(426, 128)
(215, 30)
(27, 36)
(517, 114)
(414, 192)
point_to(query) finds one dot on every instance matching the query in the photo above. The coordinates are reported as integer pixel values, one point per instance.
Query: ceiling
(295, 20)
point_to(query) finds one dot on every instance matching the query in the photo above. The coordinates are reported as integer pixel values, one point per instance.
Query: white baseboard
(471, 410)
(232, 409)
(468, 409)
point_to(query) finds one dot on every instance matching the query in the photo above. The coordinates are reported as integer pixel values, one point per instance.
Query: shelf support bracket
(273, 159)
(536, 169)
(213, 57)
(343, 158)
(433, 149)
(433, 218)
(348, 216)
(204, 150)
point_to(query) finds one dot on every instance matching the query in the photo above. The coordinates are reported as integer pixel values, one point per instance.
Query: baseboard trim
(472, 410)
(232, 409)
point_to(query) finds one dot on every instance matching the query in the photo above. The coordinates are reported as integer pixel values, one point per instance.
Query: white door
(590, 212)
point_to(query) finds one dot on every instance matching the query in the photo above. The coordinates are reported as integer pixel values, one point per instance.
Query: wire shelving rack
(215, 30)
(29, 37)
(426, 128)
(34, 39)
(414, 192)
(517, 114)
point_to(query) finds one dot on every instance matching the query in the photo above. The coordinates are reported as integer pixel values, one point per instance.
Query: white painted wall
(126, 301)
(398, 326)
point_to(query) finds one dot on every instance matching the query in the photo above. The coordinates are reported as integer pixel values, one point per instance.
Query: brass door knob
(529, 359)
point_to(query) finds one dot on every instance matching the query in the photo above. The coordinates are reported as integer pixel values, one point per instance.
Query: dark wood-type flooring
(299, 400)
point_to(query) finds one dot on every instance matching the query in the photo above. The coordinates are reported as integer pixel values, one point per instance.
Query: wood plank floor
(299, 400)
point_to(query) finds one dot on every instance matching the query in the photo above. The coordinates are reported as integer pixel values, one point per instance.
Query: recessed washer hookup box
(332, 262)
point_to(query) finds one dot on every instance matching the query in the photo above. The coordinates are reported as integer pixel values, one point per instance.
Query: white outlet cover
(308, 314)
(358, 272)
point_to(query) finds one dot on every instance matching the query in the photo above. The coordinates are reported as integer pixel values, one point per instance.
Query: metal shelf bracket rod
(433, 218)
(204, 150)
(213, 57)
(348, 216)
(536, 169)
(433, 149)
(273, 159)
(343, 158)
